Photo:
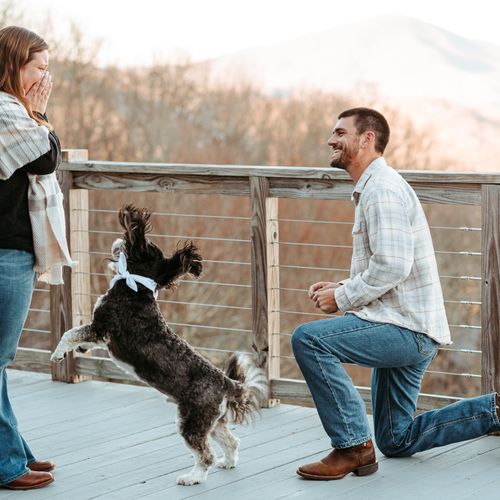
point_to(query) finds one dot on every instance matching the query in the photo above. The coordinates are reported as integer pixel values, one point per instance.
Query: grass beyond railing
(258, 264)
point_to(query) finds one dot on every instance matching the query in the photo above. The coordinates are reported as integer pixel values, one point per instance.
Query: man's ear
(369, 138)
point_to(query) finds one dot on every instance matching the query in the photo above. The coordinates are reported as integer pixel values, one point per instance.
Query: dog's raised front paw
(57, 357)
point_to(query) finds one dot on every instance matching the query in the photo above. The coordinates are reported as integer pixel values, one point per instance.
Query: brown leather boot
(359, 459)
(30, 481)
(42, 466)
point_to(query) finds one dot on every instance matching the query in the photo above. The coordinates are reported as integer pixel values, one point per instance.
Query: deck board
(119, 442)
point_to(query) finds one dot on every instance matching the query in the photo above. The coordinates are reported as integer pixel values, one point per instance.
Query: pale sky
(140, 31)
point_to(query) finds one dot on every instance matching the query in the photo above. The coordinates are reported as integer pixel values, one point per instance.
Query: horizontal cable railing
(219, 208)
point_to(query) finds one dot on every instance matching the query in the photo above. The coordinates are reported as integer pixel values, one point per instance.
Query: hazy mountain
(441, 79)
(403, 56)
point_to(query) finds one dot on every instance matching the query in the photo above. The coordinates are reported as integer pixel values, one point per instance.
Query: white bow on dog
(132, 279)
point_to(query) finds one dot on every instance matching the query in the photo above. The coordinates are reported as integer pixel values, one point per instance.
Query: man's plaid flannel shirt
(394, 276)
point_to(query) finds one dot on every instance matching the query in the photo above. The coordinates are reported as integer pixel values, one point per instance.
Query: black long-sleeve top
(15, 225)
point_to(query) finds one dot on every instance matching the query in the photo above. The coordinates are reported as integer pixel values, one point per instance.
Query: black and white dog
(128, 321)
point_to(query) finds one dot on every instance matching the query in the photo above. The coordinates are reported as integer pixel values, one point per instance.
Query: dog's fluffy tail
(245, 398)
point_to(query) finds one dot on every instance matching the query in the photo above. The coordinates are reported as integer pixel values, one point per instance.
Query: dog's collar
(132, 279)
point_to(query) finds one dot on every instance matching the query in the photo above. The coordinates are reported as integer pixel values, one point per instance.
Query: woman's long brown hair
(18, 47)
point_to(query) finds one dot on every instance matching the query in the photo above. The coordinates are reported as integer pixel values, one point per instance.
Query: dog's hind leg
(228, 442)
(204, 459)
(195, 430)
(78, 337)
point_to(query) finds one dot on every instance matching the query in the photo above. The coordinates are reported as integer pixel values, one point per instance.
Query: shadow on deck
(114, 441)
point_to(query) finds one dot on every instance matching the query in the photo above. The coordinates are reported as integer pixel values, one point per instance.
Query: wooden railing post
(273, 297)
(490, 290)
(259, 188)
(259, 193)
(70, 302)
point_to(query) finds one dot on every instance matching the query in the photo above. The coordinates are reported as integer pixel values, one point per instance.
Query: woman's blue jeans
(399, 358)
(16, 287)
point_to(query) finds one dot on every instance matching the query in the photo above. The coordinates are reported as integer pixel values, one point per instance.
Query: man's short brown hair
(369, 119)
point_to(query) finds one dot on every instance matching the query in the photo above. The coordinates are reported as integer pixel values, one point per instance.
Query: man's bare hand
(318, 286)
(323, 296)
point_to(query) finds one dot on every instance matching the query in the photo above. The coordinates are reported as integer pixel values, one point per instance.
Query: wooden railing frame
(264, 186)
(70, 303)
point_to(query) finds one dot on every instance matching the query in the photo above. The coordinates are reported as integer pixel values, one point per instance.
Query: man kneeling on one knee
(395, 320)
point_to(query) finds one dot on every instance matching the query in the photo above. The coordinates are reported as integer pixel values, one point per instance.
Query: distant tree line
(173, 112)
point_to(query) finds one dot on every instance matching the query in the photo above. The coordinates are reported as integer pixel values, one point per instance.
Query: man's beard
(347, 154)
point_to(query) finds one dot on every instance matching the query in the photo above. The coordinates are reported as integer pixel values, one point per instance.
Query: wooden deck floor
(118, 442)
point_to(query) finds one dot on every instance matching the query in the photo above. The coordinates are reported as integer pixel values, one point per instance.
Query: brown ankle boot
(359, 459)
(30, 481)
(42, 466)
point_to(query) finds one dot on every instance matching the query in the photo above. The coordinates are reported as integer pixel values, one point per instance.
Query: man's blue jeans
(399, 358)
(16, 287)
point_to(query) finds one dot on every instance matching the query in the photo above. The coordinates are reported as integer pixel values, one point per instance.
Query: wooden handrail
(417, 176)
(264, 186)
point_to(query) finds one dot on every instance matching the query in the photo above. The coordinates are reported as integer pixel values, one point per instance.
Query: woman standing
(32, 233)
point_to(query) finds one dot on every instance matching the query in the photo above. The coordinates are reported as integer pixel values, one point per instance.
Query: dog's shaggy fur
(139, 340)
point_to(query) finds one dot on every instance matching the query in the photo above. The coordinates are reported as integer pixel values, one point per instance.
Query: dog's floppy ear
(136, 223)
(185, 260)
